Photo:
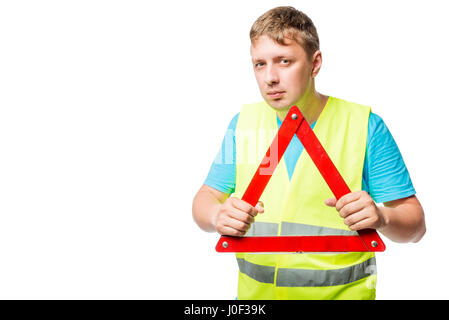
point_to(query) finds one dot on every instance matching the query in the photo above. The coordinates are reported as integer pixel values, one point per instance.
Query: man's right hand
(235, 216)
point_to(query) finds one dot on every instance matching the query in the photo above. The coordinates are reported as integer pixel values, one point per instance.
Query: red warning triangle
(294, 123)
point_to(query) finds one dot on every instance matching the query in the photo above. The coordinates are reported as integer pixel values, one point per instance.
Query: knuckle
(232, 201)
(340, 204)
(220, 230)
(222, 215)
(225, 207)
(244, 226)
(348, 221)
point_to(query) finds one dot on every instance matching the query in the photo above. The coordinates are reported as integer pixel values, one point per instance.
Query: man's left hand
(358, 210)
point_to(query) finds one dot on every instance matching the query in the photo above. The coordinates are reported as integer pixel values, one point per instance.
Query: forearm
(205, 208)
(403, 223)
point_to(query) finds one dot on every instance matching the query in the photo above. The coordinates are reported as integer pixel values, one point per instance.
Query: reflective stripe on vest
(307, 278)
(257, 272)
(294, 229)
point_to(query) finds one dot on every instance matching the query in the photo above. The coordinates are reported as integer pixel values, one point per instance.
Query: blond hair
(287, 22)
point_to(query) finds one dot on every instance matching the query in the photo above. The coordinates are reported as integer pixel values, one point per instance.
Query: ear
(317, 59)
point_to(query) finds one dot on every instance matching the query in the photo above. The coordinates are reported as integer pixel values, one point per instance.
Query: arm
(206, 205)
(404, 220)
(216, 211)
(400, 220)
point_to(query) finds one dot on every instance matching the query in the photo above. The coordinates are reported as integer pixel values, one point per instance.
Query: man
(286, 59)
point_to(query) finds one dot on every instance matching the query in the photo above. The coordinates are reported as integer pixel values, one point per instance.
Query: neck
(310, 106)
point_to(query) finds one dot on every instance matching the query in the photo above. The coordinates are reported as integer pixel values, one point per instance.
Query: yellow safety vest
(297, 207)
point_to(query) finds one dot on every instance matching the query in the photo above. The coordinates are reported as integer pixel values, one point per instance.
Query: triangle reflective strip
(294, 123)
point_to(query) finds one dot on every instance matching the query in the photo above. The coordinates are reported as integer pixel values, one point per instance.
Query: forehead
(266, 48)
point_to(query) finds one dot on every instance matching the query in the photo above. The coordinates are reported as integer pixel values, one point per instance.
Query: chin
(278, 105)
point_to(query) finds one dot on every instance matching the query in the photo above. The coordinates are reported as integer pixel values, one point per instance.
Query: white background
(113, 111)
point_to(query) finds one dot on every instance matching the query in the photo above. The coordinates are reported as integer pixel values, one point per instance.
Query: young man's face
(283, 72)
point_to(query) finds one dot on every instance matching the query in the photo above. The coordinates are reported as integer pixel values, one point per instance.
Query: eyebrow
(283, 57)
(275, 58)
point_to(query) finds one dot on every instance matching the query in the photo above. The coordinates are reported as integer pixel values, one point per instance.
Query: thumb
(259, 207)
(331, 202)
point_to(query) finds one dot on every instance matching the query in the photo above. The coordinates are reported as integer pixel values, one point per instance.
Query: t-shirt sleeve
(222, 172)
(385, 173)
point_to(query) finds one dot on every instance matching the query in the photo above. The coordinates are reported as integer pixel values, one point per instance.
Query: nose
(271, 75)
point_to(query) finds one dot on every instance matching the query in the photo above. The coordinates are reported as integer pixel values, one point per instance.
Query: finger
(241, 215)
(330, 202)
(351, 208)
(367, 223)
(227, 231)
(237, 225)
(244, 206)
(347, 198)
(259, 207)
(356, 217)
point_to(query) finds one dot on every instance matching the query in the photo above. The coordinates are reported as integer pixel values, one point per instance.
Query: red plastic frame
(294, 123)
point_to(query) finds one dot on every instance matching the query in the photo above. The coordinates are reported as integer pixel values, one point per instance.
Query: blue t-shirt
(385, 176)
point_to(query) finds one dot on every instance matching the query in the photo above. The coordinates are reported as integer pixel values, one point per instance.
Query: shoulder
(376, 121)
(235, 119)
(377, 129)
(353, 106)
(345, 110)
(249, 108)
(233, 123)
(256, 108)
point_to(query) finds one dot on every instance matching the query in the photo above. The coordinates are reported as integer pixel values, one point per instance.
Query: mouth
(275, 94)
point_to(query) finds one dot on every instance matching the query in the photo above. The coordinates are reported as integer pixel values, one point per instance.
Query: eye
(258, 64)
(285, 61)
